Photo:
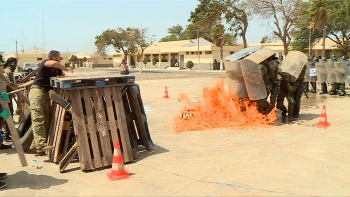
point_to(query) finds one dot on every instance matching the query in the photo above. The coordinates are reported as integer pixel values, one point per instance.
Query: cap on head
(11, 59)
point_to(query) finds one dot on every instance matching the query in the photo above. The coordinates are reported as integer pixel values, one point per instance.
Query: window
(192, 53)
(187, 53)
(116, 55)
(200, 52)
(208, 52)
(110, 58)
(232, 52)
(39, 58)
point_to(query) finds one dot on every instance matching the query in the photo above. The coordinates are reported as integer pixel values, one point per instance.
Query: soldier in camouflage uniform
(10, 67)
(298, 93)
(40, 100)
(287, 90)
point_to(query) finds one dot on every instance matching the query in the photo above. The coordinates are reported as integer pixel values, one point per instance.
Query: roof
(31, 50)
(276, 46)
(329, 44)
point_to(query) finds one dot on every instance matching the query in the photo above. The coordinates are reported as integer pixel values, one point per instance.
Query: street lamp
(198, 48)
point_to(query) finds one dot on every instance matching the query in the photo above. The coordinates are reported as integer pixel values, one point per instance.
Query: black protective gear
(313, 85)
(297, 98)
(342, 89)
(306, 86)
(334, 90)
(323, 88)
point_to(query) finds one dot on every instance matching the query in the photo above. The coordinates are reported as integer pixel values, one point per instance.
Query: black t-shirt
(44, 74)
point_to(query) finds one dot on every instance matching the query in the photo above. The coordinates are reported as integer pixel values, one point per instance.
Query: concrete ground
(278, 160)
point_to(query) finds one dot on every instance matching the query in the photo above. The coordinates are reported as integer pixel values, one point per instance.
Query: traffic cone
(166, 93)
(323, 119)
(118, 172)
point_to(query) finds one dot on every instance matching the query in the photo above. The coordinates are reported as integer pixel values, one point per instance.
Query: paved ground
(279, 160)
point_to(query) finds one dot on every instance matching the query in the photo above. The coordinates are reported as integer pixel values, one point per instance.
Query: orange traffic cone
(118, 172)
(323, 119)
(166, 93)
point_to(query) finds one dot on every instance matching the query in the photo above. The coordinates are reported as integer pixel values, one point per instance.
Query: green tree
(284, 14)
(301, 34)
(175, 33)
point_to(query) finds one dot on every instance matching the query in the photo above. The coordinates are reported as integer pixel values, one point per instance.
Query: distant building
(177, 53)
(34, 54)
(92, 59)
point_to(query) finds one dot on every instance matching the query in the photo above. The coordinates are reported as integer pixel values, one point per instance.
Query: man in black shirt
(40, 100)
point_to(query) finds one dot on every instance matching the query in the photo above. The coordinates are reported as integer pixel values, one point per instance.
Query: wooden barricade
(100, 109)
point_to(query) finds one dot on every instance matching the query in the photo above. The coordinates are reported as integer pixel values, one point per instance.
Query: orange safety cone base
(323, 124)
(119, 176)
(166, 96)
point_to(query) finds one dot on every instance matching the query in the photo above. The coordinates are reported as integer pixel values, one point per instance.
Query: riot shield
(260, 55)
(253, 80)
(330, 69)
(347, 72)
(340, 69)
(235, 81)
(321, 72)
(307, 72)
(242, 53)
(294, 63)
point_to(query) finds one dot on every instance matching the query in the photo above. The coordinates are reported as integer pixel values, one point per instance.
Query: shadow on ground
(23, 179)
(142, 154)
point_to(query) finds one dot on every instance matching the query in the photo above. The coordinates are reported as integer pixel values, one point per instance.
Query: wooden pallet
(91, 81)
(98, 118)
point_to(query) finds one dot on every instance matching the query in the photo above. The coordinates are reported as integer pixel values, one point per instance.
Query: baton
(306, 95)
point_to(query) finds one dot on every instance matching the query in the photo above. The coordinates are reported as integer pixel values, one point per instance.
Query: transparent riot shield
(242, 53)
(321, 72)
(235, 81)
(261, 55)
(307, 72)
(330, 69)
(347, 72)
(253, 80)
(294, 63)
(340, 69)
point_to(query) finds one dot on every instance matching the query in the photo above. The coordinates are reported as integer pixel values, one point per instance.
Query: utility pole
(198, 49)
(16, 52)
(309, 42)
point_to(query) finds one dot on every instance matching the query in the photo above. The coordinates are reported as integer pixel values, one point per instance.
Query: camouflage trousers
(40, 112)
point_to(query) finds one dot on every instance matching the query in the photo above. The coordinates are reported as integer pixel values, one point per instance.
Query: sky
(71, 25)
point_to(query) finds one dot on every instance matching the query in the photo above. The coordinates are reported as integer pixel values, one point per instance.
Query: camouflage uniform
(287, 90)
(8, 71)
(262, 104)
(298, 93)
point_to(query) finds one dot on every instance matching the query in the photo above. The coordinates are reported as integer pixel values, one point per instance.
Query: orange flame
(220, 110)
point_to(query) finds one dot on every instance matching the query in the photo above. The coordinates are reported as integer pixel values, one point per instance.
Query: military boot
(334, 89)
(306, 86)
(342, 89)
(313, 85)
(323, 88)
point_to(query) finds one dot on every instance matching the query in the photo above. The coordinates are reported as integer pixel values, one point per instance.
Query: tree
(301, 34)
(339, 25)
(319, 15)
(143, 40)
(237, 15)
(284, 14)
(176, 33)
(217, 34)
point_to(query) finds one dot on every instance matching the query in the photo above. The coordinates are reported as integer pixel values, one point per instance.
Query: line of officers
(334, 72)
(256, 75)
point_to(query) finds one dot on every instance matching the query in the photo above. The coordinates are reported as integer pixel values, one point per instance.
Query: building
(178, 53)
(34, 54)
(92, 59)
(331, 48)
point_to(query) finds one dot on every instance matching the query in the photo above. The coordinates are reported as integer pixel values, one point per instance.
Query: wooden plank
(130, 122)
(101, 122)
(112, 120)
(139, 119)
(14, 134)
(68, 133)
(59, 131)
(13, 87)
(122, 124)
(53, 124)
(24, 85)
(91, 128)
(80, 131)
(27, 78)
